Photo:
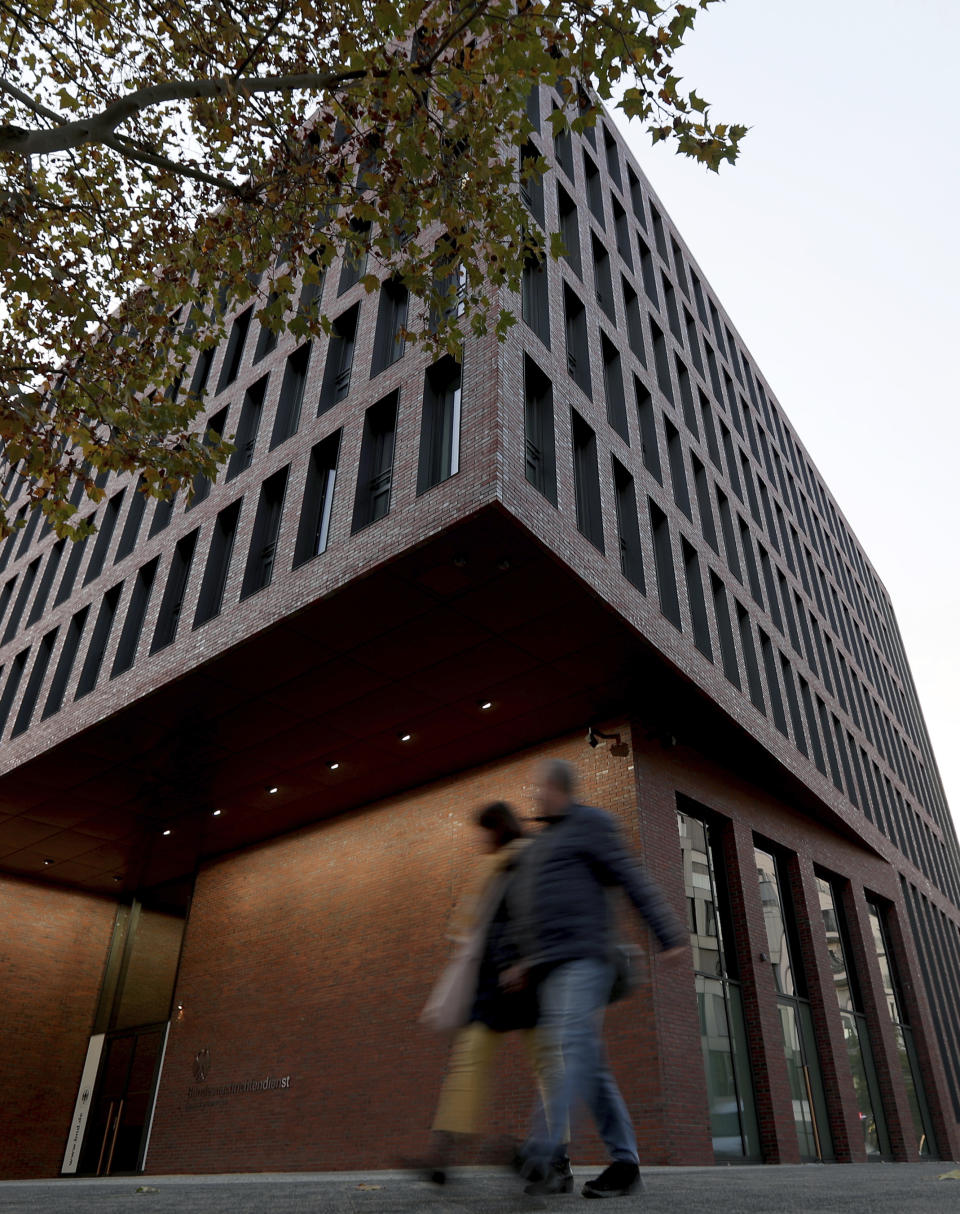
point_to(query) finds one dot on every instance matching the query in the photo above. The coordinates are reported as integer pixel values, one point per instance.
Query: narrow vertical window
(729, 535)
(569, 230)
(375, 474)
(534, 298)
(749, 555)
(174, 593)
(311, 288)
(245, 439)
(636, 198)
(531, 181)
(696, 600)
(693, 341)
(723, 1035)
(65, 663)
(34, 683)
(28, 532)
(538, 431)
(217, 569)
(613, 387)
(687, 403)
(71, 569)
(591, 177)
(631, 308)
(679, 267)
(46, 583)
(663, 557)
(440, 424)
(201, 372)
(563, 150)
(710, 430)
(99, 639)
(701, 484)
(12, 685)
(793, 703)
(923, 1139)
(773, 604)
(578, 356)
(613, 158)
(659, 238)
(131, 527)
(201, 482)
(621, 226)
(336, 374)
(813, 732)
(104, 536)
(773, 683)
(647, 419)
(533, 106)
(316, 509)
(162, 514)
(628, 526)
(678, 475)
(586, 481)
(136, 612)
(750, 657)
(7, 550)
(20, 603)
(647, 272)
(793, 1007)
(389, 342)
(355, 261)
(728, 648)
(673, 314)
(660, 360)
(7, 594)
(602, 279)
(294, 384)
(266, 337)
(234, 354)
(266, 531)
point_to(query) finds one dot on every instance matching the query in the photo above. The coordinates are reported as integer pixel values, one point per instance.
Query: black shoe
(558, 1179)
(619, 1180)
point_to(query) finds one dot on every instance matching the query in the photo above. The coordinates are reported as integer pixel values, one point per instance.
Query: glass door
(122, 1101)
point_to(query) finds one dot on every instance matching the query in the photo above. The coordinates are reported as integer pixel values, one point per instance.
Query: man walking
(564, 936)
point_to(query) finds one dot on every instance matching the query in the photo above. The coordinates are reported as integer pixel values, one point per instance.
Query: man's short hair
(560, 774)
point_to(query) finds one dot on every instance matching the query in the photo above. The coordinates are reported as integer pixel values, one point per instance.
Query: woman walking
(470, 997)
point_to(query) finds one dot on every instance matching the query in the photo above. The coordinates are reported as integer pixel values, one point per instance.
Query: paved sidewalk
(859, 1189)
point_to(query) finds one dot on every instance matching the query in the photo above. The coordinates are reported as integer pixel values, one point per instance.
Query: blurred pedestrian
(471, 1000)
(563, 925)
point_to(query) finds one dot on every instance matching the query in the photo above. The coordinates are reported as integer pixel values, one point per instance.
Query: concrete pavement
(882, 1188)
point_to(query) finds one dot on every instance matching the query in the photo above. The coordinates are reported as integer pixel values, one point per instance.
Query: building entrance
(110, 1130)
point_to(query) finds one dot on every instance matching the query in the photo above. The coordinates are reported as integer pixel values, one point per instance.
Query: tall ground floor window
(723, 1037)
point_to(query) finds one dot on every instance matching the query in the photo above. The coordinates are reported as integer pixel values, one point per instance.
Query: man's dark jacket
(561, 904)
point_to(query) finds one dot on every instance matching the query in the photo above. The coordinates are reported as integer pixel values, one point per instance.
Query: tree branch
(100, 127)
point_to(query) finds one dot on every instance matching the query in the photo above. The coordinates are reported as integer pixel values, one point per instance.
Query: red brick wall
(312, 956)
(52, 953)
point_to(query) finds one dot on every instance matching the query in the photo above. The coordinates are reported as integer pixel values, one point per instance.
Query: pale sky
(833, 245)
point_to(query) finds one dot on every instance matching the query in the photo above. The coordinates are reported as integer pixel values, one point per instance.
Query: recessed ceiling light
(48, 861)
(485, 705)
(333, 765)
(217, 813)
(405, 737)
(168, 831)
(272, 789)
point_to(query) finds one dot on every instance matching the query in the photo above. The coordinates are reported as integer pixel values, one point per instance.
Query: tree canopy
(164, 163)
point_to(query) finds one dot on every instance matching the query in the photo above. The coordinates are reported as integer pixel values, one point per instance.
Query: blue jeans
(573, 998)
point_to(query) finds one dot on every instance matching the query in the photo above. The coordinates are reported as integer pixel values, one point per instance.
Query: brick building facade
(242, 738)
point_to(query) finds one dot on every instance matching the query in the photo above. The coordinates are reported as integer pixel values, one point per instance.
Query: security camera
(592, 737)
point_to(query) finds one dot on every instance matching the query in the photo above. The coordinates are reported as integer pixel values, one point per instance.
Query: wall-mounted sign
(201, 1090)
(84, 1100)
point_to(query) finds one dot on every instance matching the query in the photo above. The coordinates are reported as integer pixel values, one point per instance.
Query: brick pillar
(684, 1112)
(842, 1108)
(778, 1136)
(864, 960)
